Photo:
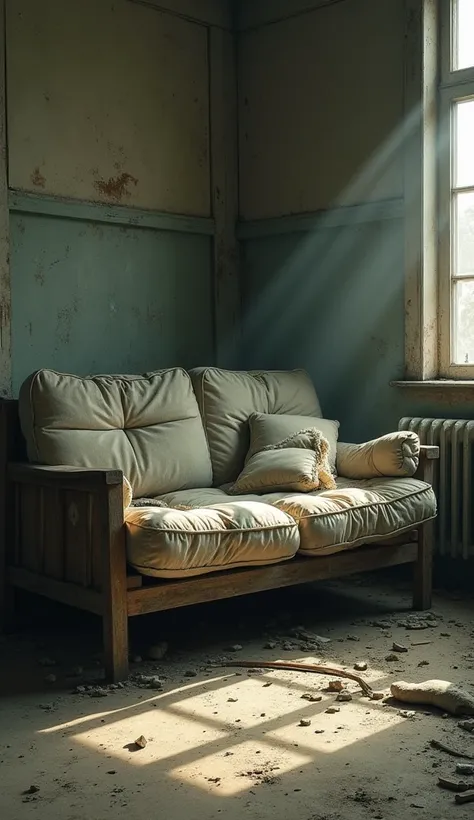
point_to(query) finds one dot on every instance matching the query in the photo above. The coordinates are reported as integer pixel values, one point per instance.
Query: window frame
(455, 86)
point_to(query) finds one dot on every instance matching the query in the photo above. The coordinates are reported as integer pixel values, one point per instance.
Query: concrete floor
(226, 743)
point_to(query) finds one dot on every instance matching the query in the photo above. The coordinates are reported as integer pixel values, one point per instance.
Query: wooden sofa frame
(63, 536)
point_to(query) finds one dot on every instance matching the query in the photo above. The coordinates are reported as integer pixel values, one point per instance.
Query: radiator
(453, 483)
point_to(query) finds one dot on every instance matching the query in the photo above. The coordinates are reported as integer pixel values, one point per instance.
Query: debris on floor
(218, 736)
(440, 693)
(334, 686)
(450, 750)
(453, 785)
(465, 797)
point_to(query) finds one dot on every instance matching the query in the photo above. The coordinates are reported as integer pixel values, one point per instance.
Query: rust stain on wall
(37, 178)
(116, 188)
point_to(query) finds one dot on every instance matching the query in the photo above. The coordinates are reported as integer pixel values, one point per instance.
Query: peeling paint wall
(108, 101)
(112, 227)
(321, 111)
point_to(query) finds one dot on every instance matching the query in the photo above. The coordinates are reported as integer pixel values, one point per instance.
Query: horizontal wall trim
(339, 217)
(256, 13)
(434, 384)
(21, 202)
(207, 12)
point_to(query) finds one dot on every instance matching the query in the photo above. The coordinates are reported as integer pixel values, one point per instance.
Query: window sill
(435, 384)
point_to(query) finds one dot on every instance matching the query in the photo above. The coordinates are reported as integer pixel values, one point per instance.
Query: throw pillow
(266, 428)
(298, 463)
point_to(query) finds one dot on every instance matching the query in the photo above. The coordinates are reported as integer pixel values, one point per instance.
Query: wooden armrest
(429, 451)
(428, 455)
(74, 478)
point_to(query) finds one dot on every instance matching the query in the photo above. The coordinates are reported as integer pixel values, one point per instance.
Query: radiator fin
(453, 481)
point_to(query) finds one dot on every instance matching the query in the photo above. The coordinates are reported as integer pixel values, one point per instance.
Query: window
(456, 190)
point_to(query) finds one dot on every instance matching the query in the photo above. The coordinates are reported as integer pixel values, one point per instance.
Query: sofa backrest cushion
(227, 399)
(147, 426)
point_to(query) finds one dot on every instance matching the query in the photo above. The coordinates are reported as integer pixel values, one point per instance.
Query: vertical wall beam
(420, 182)
(224, 194)
(5, 290)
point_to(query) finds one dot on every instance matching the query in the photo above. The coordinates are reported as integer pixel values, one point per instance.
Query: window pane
(464, 142)
(463, 35)
(463, 262)
(463, 322)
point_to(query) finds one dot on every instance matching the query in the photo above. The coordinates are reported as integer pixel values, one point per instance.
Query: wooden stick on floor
(303, 667)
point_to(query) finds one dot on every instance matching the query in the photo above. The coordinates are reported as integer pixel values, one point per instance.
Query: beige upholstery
(334, 520)
(358, 511)
(291, 469)
(127, 493)
(299, 462)
(266, 429)
(171, 543)
(149, 427)
(228, 398)
(395, 454)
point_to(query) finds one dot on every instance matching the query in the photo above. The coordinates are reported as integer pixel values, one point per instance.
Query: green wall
(331, 301)
(118, 188)
(92, 297)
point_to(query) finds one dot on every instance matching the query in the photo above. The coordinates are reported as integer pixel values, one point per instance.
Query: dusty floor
(226, 742)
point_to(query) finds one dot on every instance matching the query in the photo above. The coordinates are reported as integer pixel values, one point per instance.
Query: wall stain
(5, 315)
(37, 178)
(152, 316)
(381, 346)
(65, 318)
(116, 187)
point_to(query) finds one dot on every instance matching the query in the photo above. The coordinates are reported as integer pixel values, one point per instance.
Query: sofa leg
(423, 574)
(114, 612)
(7, 607)
(115, 636)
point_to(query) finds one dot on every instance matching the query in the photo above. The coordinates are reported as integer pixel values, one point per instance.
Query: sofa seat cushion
(357, 512)
(178, 543)
(330, 521)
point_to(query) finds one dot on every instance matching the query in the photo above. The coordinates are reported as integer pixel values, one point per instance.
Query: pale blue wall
(111, 187)
(92, 297)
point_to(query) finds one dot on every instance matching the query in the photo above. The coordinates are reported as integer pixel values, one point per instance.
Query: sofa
(124, 495)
